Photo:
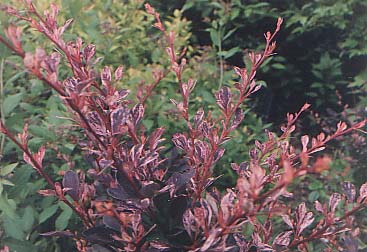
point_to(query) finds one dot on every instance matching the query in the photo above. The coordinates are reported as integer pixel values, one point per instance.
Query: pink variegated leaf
(334, 201)
(62, 29)
(106, 76)
(304, 218)
(319, 207)
(226, 205)
(88, 53)
(288, 221)
(47, 192)
(218, 154)
(137, 113)
(155, 138)
(188, 221)
(304, 139)
(180, 141)
(341, 126)
(301, 212)
(212, 239)
(238, 117)
(201, 150)
(350, 191)
(40, 155)
(283, 239)
(191, 83)
(119, 118)
(119, 73)
(223, 97)
(23, 137)
(255, 88)
(362, 193)
(308, 219)
(305, 107)
(317, 149)
(28, 160)
(96, 123)
(198, 117)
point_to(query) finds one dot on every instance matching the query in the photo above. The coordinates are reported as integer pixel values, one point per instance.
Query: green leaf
(313, 196)
(10, 102)
(63, 220)
(316, 185)
(20, 246)
(5, 182)
(148, 124)
(47, 213)
(28, 218)
(229, 53)
(229, 33)
(278, 66)
(214, 36)
(7, 208)
(13, 229)
(7, 169)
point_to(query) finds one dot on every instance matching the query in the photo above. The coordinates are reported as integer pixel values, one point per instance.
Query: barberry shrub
(136, 196)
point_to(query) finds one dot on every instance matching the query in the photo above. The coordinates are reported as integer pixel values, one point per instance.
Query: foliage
(323, 48)
(134, 47)
(135, 196)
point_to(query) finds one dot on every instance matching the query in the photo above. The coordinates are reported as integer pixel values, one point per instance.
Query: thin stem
(2, 117)
(320, 232)
(41, 171)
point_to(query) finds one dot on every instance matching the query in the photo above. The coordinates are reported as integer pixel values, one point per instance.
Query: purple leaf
(350, 191)
(96, 123)
(111, 222)
(58, 233)
(149, 189)
(71, 181)
(99, 234)
(118, 193)
(104, 163)
(218, 154)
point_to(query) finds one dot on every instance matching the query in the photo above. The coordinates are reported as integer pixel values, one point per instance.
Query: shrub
(135, 196)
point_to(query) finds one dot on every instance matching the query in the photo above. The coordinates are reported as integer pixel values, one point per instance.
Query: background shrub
(140, 57)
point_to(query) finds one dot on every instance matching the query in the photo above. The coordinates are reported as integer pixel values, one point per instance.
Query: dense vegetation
(320, 60)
